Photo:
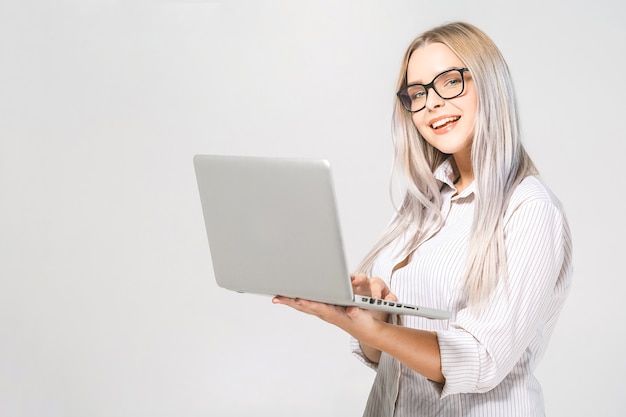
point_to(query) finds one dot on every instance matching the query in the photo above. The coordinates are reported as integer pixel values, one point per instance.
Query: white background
(107, 301)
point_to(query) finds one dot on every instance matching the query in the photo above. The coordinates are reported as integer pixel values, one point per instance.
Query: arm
(483, 345)
(370, 352)
(418, 349)
(361, 284)
(480, 347)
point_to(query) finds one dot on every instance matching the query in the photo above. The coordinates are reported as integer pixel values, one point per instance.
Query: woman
(477, 233)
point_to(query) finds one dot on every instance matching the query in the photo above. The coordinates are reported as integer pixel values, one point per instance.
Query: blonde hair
(499, 161)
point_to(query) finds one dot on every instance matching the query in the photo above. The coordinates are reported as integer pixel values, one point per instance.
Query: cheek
(422, 128)
(418, 122)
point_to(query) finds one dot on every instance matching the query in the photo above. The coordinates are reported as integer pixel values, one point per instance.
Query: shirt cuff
(460, 362)
(355, 346)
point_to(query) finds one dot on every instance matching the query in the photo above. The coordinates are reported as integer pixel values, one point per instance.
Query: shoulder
(532, 191)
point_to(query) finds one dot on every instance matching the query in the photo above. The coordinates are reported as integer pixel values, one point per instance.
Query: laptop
(273, 229)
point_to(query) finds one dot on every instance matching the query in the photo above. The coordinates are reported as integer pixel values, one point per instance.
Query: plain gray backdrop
(107, 301)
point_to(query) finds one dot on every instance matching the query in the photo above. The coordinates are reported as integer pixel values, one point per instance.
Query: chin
(449, 148)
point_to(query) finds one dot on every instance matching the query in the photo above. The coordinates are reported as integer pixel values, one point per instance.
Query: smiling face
(447, 125)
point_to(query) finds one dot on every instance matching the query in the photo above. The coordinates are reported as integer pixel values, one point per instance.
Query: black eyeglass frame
(432, 85)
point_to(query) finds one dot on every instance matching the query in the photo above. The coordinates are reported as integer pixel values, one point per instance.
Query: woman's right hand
(371, 287)
(376, 288)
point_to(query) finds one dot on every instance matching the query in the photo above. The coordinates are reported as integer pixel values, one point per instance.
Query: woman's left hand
(326, 312)
(353, 320)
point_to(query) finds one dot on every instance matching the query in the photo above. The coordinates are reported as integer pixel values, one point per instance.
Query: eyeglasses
(449, 84)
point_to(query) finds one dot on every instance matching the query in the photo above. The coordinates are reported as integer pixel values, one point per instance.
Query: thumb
(353, 312)
(391, 297)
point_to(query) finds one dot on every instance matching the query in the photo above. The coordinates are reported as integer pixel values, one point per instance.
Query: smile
(444, 122)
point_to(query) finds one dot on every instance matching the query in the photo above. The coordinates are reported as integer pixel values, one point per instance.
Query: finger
(391, 297)
(358, 279)
(320, 310)
(280, 300)
(353, 312)
(378, 288)
(361, 285)
(292, 302)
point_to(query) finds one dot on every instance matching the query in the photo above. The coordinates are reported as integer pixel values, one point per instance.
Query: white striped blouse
(487, 357)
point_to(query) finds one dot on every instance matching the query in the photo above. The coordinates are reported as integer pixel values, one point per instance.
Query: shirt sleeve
(355, 346)
(481, 347)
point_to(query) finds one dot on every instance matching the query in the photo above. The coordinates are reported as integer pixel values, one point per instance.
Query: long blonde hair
(499, 161)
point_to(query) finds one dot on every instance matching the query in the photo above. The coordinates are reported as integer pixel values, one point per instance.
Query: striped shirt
(487, 356)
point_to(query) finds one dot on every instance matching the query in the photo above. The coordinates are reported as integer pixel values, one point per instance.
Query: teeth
(442, 122)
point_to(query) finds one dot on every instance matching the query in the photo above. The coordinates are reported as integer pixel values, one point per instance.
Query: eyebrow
(423, 83)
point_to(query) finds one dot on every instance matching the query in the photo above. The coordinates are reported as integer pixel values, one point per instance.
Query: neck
(466, 173)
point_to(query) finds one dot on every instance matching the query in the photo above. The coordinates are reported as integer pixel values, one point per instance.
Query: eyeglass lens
(448, 84)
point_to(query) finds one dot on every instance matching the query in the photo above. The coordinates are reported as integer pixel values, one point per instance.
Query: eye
(417, 95)
(416, 92)
(450, 80)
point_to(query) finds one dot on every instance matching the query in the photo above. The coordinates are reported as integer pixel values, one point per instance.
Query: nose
(433, 100)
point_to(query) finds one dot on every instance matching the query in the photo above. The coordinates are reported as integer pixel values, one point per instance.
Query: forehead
(429, 60)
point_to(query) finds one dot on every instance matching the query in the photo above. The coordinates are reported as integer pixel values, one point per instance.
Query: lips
(443, 122)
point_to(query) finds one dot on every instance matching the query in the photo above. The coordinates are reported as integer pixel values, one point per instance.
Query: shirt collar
(445, 174)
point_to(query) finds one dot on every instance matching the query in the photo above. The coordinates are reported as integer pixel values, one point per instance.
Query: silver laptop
(273, 229)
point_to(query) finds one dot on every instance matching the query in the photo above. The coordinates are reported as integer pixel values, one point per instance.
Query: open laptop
(273, 229)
